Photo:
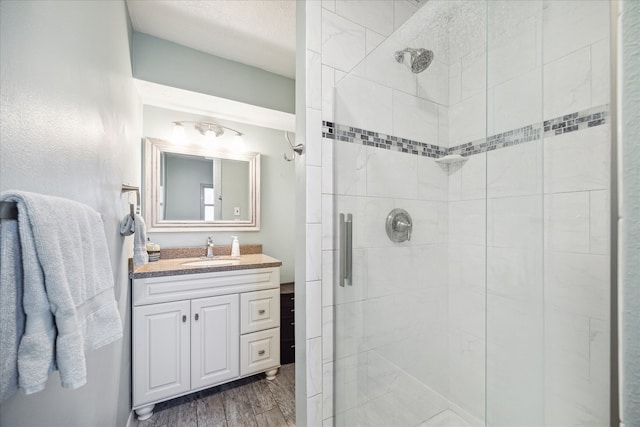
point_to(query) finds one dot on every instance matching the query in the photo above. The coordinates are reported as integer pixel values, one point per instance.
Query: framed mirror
(194, 188)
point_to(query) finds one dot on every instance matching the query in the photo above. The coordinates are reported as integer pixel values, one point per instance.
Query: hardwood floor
(252, 401)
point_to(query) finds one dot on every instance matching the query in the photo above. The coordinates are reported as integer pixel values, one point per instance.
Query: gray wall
(182, 186)
(235, 189)
(70, 127)
(277, 178)
(160, 61)
(630, 215)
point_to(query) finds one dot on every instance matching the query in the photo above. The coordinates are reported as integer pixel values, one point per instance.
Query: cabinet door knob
(261, 352)
(197, 316)
(184, 318)
(261, 311)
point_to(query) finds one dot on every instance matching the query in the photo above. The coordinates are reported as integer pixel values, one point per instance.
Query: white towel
(68, 294)
(11, 313)
(140, 255)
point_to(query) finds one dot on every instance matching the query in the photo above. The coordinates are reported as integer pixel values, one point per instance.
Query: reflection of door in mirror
(184, 177)
(207, 205)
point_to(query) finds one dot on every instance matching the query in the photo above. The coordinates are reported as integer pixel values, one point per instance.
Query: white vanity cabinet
(195, 331)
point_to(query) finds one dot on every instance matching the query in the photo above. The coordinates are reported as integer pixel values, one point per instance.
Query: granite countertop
(176, 267)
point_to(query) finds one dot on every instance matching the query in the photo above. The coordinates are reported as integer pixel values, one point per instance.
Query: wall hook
(294, 148)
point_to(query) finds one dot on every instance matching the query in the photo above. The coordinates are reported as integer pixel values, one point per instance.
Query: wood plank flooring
(252, 401)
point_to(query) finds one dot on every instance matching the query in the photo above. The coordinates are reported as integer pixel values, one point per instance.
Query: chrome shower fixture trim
(206, 128)
(419, 61)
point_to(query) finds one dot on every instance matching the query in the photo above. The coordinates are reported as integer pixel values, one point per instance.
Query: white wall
(70, 127)
(277, 189)
(629, 205)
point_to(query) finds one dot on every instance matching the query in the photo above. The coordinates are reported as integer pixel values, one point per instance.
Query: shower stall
(488, 122)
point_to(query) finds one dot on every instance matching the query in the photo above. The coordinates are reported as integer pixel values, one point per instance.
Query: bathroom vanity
(198, 323)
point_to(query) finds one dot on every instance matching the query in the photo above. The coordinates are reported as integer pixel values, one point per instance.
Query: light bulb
(179, 135)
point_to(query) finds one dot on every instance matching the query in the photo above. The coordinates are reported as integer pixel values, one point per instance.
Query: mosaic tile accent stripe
(374, 139)
(557, 126)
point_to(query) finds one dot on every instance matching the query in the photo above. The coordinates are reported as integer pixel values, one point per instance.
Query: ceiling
(260, 33)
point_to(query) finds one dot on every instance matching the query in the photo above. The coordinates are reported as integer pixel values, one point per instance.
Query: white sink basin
(212, 262)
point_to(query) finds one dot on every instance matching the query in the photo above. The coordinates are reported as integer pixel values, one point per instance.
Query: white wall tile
(473, 74)
(376, 15)
(443, 126)
(600, 222)
(467, 311)
(327, 278)
(512, 52)
(327, 392)
(364, 104)
(571, 25)
(313, 144)
(373, 40)
(329, 222)
(313, 25)
(343, 41)
(348, 337)
(314, 194)
(414, 118)
(402, 10)
(577, 161)
(314, 369)
(467, 120)
(314, 80)
(392, 174)
(433, 83)
(327, 165)
(515, 222)
(567, 84)
(467, 267)
(328, 83)
(455, 181)
(515, 274)
(455, 82)
(510, 111)
(473, 177)
(314, 309)
(350, 383)
(432, 179)
(327, 335)
(467, 372)
(314, 411)
(578, 283)
(314, 252)
(350, 168)
(567, 225)
(600, 73)
(329, 5)
(467, 222)
(515, 171)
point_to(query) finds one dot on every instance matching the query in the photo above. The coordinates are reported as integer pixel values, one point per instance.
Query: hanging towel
(68, 297)
(11, 314)
(127, 225)
(140, 255)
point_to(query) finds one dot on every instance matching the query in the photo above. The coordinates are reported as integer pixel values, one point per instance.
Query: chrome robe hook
(294, 148)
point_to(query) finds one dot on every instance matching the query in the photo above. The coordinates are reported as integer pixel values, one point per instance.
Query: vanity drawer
(259, 310)
(259, 351)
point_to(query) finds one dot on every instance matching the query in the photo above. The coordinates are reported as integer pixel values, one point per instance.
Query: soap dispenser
(235, 247)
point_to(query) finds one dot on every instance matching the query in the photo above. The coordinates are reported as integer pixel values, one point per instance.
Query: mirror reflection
(194, 188)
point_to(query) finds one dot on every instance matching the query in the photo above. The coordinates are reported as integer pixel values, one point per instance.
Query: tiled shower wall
(540, 207)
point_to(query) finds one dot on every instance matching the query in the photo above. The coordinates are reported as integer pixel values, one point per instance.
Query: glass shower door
(409, 324)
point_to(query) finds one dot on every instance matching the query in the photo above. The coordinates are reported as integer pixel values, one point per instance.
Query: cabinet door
(215, 336)
(161, 335)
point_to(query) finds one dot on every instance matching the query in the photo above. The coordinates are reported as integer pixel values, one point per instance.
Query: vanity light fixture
(205, 128)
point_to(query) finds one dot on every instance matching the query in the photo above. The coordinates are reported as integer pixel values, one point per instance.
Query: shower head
(420, 58)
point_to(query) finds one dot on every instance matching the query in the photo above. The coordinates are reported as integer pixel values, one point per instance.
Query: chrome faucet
(210, 247)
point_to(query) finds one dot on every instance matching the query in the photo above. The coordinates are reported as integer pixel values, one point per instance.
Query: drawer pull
(261, 311)
(292, 299)
(197, 316)
(292, 323)
(184, 318)
(293, 346)
(261, 352)
(292, 310)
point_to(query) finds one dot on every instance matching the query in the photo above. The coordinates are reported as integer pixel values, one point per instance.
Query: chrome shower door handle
(346, 249)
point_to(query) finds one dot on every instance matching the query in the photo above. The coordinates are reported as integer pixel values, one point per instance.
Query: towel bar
(8, 210)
